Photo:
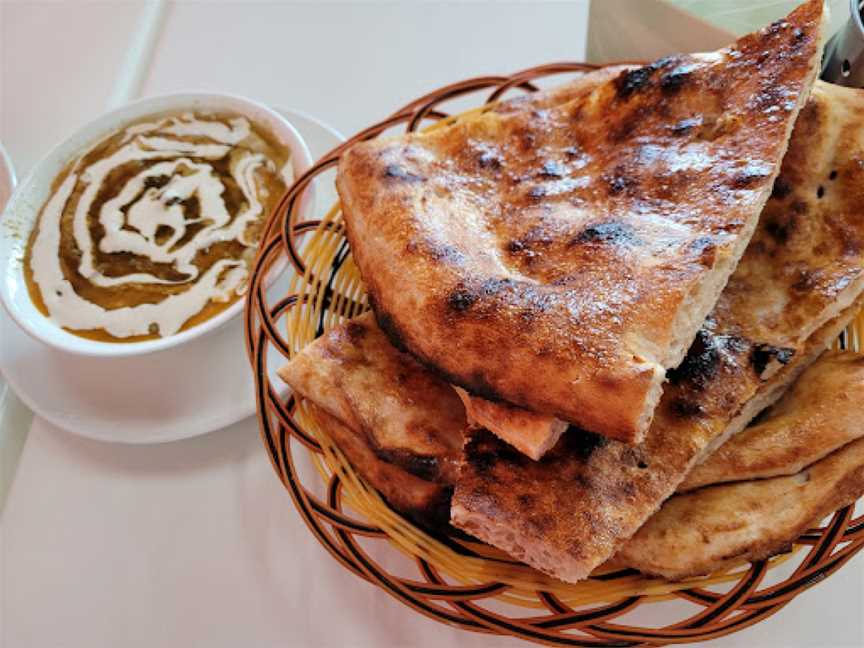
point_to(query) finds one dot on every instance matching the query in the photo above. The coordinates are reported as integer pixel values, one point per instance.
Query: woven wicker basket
(465, 584)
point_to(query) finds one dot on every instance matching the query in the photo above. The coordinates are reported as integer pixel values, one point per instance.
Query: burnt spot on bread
(776, 27)
(782, 227)
(397, 172)
(700, 364)
(435, 516)
(483, 451)
(772, 99)
(580, 443)
(631, 81)
(489, 160)
(516, 246)
(798, 40)
(609, 232)
(686, 408)
(496, 286)
(461, 300)
(734, 344)
(782, 188)
(521, 251)
(619, 182)
(355, 331)
(480, 457)
(423, 466)
(675, 79)
(805, 281)
(763, 355)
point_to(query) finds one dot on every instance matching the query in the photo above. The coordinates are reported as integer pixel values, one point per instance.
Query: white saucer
(201, 386)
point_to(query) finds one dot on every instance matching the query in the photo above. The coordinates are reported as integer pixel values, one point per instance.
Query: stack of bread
(582, 297)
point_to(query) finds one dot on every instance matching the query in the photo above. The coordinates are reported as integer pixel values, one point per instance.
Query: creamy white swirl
(165, 165)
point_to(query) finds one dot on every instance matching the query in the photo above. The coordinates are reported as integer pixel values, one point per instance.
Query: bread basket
(458, 582)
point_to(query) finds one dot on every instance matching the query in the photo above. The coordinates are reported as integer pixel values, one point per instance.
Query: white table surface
(196, 543)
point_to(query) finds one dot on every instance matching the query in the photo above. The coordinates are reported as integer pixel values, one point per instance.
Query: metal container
(843, 62)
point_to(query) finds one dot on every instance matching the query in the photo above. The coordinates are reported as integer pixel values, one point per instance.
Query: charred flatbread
(562, 258)
(821, 413)
(716, 527)
(569, 512)
(397, 423)
(530, 433)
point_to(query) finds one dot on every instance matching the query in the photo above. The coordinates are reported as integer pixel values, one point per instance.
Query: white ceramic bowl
(23, 210)
(7, 177)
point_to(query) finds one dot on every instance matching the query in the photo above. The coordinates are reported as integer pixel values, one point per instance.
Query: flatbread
(569, 512)
(820, 182)
(820, 414)
(391, 417)
(561, 259)
(424, 499)
(716, 527)
(530, 433)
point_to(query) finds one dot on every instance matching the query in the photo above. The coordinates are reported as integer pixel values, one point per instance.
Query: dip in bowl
(137, 233)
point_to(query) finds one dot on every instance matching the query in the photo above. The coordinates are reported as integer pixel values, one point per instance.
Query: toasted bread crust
(428, 502)
(820, 414)
(530, 433)
(563, 258)
(569, 512)
(819, 183)
(391, 417)
(605, 497)
(716, 527)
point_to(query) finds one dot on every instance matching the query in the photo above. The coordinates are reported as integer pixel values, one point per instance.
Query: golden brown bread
(562, 258)
(530, 433)
(569, 512)
(819, 182)
(577, 88)
(392, 418)
(821, 413)
(718, 526)
(425, 500)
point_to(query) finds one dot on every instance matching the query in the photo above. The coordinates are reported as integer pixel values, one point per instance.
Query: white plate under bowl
(201, 386)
